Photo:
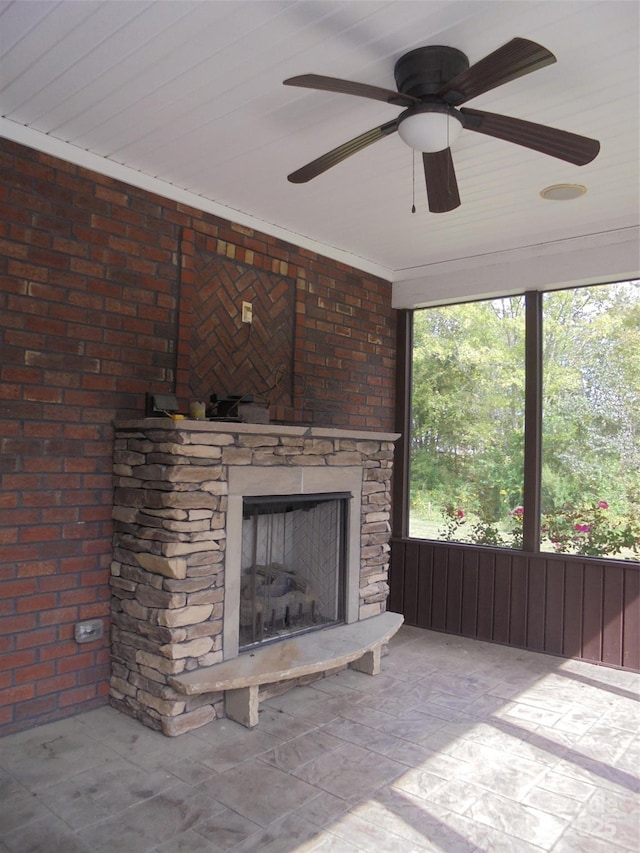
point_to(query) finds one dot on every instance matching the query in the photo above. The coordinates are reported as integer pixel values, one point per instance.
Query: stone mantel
(190, 425)
(175, 573)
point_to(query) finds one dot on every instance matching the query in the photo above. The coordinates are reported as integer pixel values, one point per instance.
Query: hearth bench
(358, 644)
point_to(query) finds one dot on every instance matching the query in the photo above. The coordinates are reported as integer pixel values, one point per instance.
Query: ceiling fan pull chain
(448, 162)
(413, 181)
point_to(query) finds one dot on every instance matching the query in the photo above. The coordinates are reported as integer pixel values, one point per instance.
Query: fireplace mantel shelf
(358, 644)
(192, 425)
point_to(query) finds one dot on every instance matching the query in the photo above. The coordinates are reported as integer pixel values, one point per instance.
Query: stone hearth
(179, 487)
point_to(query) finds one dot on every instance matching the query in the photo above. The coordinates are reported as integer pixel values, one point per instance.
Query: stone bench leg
(241, 705)
(369, 662)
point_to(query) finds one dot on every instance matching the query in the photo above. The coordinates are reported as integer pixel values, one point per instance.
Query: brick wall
(91, 316)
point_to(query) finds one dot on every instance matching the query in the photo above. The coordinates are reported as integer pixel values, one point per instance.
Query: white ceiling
(187, 98)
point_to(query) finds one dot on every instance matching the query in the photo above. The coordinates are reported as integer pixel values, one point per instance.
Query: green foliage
(516, 520)
(459, 527)
(486, 533)
(591, 395)
(467, 402)
(467, 415)
(455, 521)
(592, 530)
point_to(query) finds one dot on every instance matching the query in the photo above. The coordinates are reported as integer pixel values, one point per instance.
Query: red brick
(40, 533)
(76, 564)
(17, 626)
(55, 684)
(93, 611)
(75, 662)
(43, 395)
(17, 660)
(69, 246)
(17, 589)
(36, 708)
(27, 271)
(28, 674)
(20, 693)
(36, 568)
(58, 650)
(85, 595)
(59, 515)
(58, 616)
(7, 606)
(78, 695)
(58, 582)
(20, 375)
(8, 536)
(100, 383)
(86, 268)
(33, 603)
(42, 464)
(94, 674)
(10, 392)
(34, 498)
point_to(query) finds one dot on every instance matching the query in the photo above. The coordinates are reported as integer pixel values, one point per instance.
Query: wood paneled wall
(569, 606)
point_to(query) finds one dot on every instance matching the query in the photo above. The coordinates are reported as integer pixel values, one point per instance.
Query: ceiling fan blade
(337, 155)
(579, 150)
(514, 59)
(347, 87)
(442, 186)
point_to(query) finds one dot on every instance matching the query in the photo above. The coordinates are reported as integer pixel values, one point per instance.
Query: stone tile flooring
(456, 746)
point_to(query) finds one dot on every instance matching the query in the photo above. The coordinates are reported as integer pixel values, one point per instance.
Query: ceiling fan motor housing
(425, 70)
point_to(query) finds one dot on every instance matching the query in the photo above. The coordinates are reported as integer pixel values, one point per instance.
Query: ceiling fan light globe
(430, 131)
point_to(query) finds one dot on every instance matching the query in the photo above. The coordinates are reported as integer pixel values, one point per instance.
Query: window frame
(533, 427)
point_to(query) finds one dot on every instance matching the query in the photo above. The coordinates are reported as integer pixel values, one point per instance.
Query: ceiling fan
(432, 83)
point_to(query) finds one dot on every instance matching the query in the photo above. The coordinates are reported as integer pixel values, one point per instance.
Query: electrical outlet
(247, 312)
(87, 632)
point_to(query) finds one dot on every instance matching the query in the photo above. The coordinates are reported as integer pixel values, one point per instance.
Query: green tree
(468, 416)
(468, 407)
(591, 420)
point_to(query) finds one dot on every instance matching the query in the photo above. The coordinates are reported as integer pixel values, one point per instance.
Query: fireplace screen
(293, 565)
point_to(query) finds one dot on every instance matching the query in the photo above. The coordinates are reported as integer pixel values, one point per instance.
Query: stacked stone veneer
(168, 568)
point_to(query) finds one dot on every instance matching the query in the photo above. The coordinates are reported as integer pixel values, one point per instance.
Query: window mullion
(533, 421)
(404, 347)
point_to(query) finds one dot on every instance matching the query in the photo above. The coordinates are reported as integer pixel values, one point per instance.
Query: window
(467, 437)
(591, 420)
(468, 413)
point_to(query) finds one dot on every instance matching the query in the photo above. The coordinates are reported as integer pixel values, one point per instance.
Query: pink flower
(603, 505)
(582, 528)
(518, 511)
(459, 513)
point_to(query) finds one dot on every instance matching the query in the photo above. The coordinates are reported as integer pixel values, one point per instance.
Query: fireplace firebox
(292, 566)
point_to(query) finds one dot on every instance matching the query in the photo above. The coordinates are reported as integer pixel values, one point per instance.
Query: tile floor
(456, 746)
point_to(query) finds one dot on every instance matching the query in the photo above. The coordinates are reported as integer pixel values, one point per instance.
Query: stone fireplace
(186, 494)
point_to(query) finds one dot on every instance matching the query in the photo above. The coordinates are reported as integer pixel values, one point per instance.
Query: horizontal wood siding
(568, 606)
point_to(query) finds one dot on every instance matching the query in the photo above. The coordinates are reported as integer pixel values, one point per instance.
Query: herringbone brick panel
(229, 356)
